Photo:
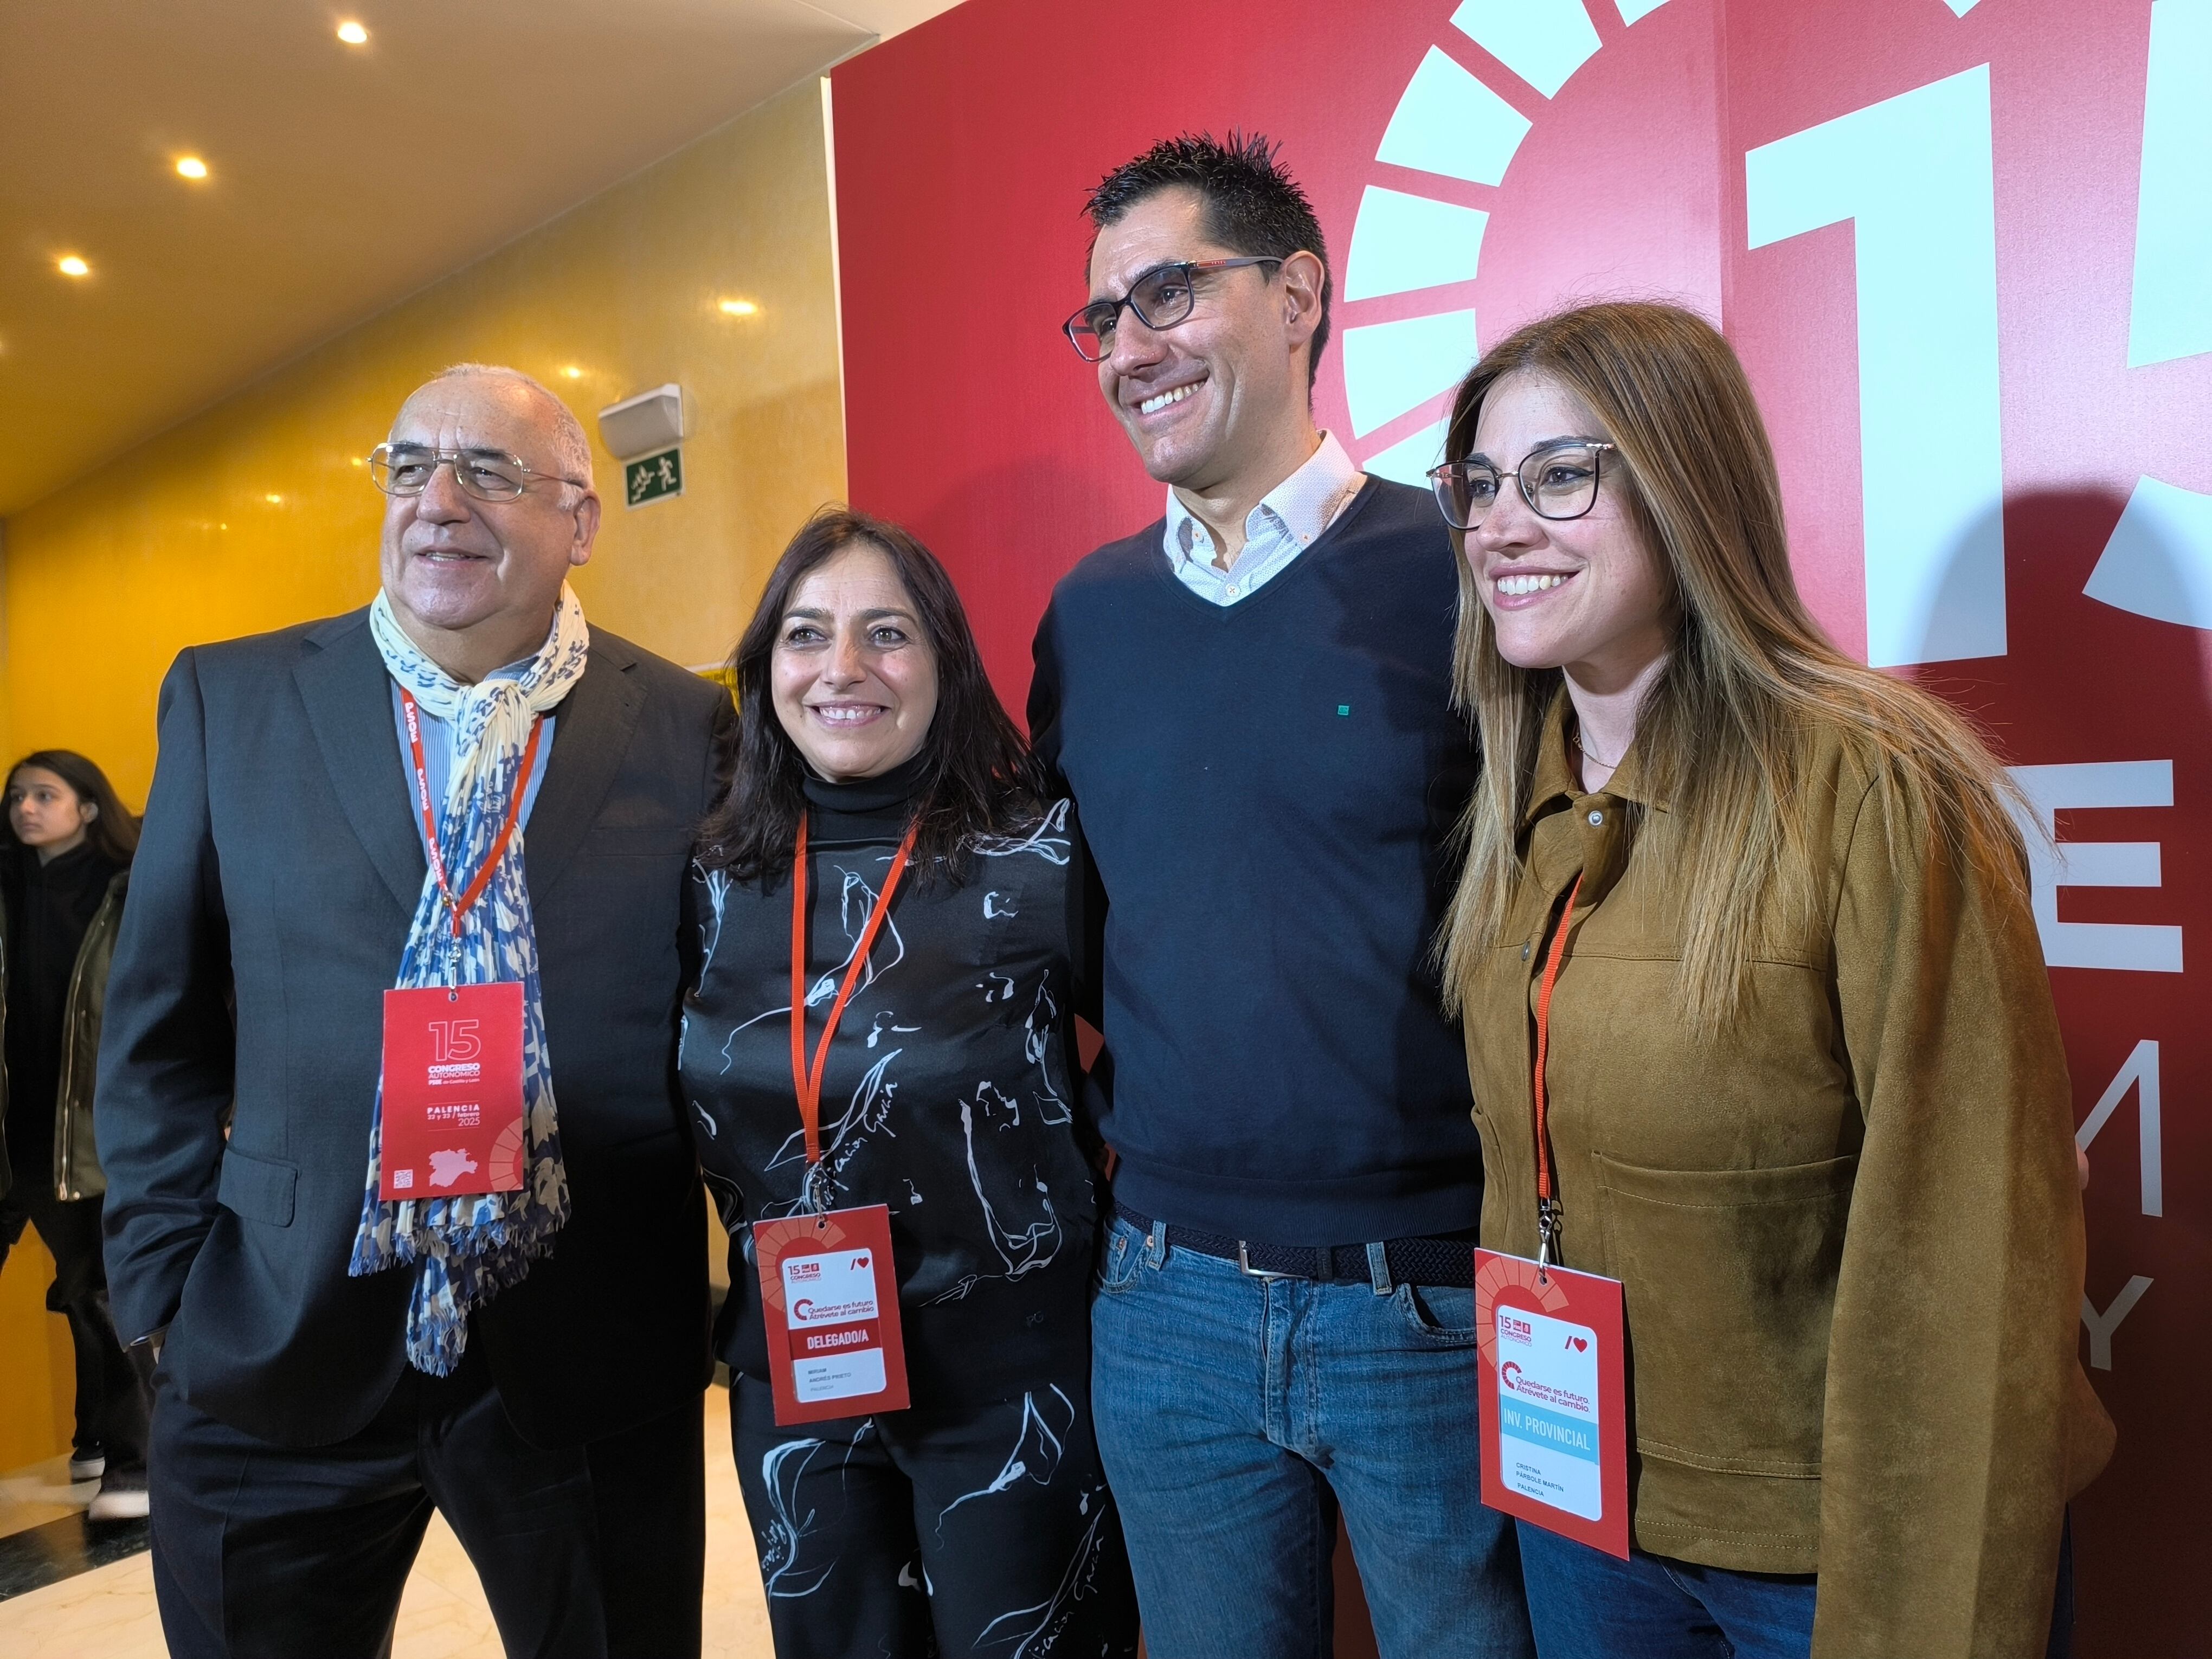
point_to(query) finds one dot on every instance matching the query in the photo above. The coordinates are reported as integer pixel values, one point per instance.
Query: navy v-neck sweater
(1266, 788)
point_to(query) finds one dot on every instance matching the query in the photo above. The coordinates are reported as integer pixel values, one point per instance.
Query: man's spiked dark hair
(1253, 206)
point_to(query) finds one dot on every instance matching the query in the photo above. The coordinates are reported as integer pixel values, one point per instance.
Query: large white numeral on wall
(1914, 172)
(2172, 312)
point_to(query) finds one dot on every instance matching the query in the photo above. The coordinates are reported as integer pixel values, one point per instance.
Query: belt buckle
(1244, 1265)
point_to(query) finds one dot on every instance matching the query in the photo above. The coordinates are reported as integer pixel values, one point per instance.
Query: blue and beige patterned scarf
(467, 1250)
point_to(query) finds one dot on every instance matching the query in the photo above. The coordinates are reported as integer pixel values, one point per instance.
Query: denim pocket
(1443, 1314)
(1120, 1257)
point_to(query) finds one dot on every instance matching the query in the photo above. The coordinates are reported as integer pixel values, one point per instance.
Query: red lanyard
(1548, 1208)
(459, 906)
(808, 1081)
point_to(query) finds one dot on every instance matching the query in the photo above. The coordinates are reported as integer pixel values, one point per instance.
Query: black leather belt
(1429, 1261)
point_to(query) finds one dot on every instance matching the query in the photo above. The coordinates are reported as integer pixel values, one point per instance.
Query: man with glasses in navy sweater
(1250, 702)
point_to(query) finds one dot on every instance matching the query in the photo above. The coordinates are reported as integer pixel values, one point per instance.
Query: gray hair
(572, 448)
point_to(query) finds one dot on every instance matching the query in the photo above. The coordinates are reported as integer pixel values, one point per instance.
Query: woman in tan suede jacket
(1807, 1097)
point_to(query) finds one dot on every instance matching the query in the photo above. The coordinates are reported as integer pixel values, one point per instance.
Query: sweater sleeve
(1952, 1382)
(1086, 926)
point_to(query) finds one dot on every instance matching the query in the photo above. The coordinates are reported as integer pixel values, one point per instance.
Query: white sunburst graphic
(1913, 172)
(1449, 123)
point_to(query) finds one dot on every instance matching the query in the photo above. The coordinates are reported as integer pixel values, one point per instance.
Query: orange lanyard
(459, 906)
(1547, 1206)
(805, 1079)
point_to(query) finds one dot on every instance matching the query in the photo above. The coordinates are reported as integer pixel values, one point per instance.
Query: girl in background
(64, 863)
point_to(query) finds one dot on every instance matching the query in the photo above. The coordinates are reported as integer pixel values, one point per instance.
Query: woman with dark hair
(64, 863)
(891, 910)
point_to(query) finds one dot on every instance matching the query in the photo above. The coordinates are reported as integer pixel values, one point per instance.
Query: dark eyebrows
(1149, 271)
(815, 613)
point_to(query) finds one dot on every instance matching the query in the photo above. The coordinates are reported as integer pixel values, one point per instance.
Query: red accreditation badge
(1554, 1419)
(833, 1344)
(452, 1091)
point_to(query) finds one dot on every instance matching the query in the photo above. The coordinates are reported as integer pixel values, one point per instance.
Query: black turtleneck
(866, 809)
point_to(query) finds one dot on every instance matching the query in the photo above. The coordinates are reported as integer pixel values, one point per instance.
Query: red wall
(963, 152)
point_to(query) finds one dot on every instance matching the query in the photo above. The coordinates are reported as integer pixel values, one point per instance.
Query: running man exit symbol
(653, 477)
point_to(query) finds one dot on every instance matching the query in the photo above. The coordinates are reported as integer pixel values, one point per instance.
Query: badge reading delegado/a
(835, 1348)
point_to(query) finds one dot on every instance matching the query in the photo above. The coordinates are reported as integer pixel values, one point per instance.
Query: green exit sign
(653, 477)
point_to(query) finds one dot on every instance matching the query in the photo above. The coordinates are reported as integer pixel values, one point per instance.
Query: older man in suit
(464, 792)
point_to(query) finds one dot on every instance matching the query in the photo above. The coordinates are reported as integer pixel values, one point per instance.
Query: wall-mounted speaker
(638, 426)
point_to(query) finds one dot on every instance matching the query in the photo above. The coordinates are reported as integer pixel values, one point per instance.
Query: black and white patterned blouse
(950, 1094)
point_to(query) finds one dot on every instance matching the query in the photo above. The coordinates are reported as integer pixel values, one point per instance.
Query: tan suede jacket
(1850, 1232)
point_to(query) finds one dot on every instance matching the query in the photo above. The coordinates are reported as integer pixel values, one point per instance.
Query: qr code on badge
(402, 1178)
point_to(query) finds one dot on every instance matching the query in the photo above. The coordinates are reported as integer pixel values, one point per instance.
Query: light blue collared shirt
(438, 754)
(1284, 524)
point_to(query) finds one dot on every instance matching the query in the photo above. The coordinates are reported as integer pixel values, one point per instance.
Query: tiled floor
(109, 1610)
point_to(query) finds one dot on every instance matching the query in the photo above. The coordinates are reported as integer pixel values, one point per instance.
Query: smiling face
(471, 579)
(1216, 396)
(854, 676)
(1585, 594)
(45, 813)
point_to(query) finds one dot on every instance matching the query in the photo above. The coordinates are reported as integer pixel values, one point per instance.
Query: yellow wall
(177, 541)
(38, 1374)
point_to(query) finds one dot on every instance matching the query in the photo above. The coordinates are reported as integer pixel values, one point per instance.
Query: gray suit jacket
(271, 899)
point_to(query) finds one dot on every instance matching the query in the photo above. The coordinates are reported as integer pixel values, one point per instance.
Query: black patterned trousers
(981, 1527)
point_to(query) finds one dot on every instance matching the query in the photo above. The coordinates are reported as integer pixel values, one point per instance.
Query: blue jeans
(1589, 1604)
(1235, 1414)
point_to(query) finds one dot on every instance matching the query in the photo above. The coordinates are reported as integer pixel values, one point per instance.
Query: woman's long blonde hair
(1725, 733)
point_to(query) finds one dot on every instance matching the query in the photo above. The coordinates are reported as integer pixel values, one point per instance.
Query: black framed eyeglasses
(1558, 480)
(1162, 297)
(489, 474)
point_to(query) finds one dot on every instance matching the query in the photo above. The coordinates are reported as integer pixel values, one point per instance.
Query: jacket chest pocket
(1729, 1286)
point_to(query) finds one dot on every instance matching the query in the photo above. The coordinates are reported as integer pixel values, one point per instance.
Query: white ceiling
(342, 179)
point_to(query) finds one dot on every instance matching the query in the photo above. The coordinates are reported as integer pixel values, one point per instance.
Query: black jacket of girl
(59, 922)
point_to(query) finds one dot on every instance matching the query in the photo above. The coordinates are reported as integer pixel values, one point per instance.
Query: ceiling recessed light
(739, 308)
(352, 34)
(191, 166)
(572, 373)
(70, 265)
(274, 500)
